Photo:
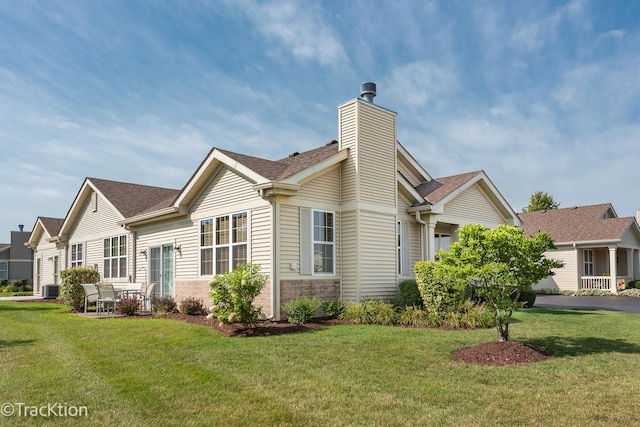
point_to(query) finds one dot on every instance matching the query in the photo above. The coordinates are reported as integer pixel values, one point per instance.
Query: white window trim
(75, 263)
(229, 245)
(118, 257)
(403, 230)
(322, 242)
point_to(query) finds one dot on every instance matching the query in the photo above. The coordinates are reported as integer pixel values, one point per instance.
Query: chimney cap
(368, 91)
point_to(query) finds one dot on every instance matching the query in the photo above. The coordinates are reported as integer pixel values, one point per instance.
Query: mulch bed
(496, 353)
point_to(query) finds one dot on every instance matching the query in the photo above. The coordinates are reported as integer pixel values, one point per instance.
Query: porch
(608, 268)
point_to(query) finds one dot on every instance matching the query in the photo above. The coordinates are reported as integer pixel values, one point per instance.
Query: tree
(499, 263)
(540, 201)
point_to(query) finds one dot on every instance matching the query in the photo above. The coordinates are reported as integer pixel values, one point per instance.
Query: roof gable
(578, 224)
(49, 226)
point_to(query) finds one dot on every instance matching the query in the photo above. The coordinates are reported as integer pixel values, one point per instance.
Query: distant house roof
(276, 170)
(51, 225)
(439, 188)
(578, 224)
(134, 199)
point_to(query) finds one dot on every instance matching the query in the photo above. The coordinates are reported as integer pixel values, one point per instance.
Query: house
(47, 252)
(344, 221)
(599, 249)
(16, 260)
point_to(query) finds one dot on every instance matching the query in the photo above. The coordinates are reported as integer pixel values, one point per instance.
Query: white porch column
(613, 285)
(431, 240)
(636, 264)
(629, 264)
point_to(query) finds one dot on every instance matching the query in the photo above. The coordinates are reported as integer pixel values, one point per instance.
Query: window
(323, 242)
(443, 241)
(588, 262)
(4, 270)
(115, 257)
(223, 243)
(77, 255)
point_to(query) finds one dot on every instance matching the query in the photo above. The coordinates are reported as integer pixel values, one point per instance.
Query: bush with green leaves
(164, 305)
(633, 293)
(633, 284)
(528, 297)
(332, 309)
(370, 312)
(413, 316)
(301, 310)
(409, 294)
(440, 292)
(128, 306)
(591, 293)
(233, 294)
(192, 307)
(71, 293)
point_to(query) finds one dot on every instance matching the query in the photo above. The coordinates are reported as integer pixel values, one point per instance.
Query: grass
(165, 372)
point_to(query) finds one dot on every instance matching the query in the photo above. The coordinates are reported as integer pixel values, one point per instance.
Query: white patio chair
(106, 298)
(148, 296)
(90, 294)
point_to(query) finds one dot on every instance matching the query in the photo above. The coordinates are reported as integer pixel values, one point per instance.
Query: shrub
(591, 293)
(192, 307)
(71, 293)
(633, 293)
(370, 312)
(301, 310)
(409, 294)
(528, 297)
(332, 309)
(353, 313)
(439, 294)
(547, 291)
(412, 316)
(633, 284)
(233, 294)
(164, 305)
(128, 306)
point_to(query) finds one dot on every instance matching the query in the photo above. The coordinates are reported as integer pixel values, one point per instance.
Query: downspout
(422, 238)
(275, 297)
(134, 262)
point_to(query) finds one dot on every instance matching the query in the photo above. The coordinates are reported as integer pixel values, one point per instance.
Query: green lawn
(166, 372)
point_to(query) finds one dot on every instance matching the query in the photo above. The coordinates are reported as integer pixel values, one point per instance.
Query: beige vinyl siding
(472, 206)
(377, 153)
(289, 227)
(378, 255)
(348, 139)
(227, 192)
(629, 239)
(323, 189)
(564, 278)
(349, 252)
(101, 222)
(181, 233)
(409, 173)
(416, 246)
(261, 238)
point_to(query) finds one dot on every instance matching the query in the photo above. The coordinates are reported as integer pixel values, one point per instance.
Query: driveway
(619, 303)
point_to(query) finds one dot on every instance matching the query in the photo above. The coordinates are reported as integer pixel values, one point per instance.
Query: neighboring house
(345, 221)
(600, 250)
(16, 260)
(48, 252)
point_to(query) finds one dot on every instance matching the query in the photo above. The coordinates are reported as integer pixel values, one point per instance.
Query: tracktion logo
(21, 409)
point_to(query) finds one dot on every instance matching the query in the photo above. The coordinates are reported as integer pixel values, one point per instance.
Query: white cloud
(299, 27)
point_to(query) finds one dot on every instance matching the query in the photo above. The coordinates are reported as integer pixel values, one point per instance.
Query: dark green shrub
(192, 307)
(633, 284)
(332, 309)
(528, 297)
(128, 307)
(71, 293)
(233, 294)
(164, 305)
(409, 294)
(301, 310)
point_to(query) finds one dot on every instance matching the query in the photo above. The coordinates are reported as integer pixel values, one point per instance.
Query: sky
(541, 95)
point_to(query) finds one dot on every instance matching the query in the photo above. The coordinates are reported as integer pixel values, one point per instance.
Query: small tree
(500, 263)
(71, 293)
(540, 201)
(233, 294)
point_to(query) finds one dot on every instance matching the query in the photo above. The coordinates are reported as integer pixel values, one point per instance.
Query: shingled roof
(439, 188)
(134, 199)
(51, 225)
(577, 224)
(276, 170)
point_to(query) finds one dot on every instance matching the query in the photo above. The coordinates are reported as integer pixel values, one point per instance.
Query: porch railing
(596, 282)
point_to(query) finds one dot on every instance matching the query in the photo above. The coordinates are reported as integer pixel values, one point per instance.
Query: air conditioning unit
(50, 291)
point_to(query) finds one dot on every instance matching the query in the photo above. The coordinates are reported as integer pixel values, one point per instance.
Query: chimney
(21, 227)
(638, 215)
(368, 91)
